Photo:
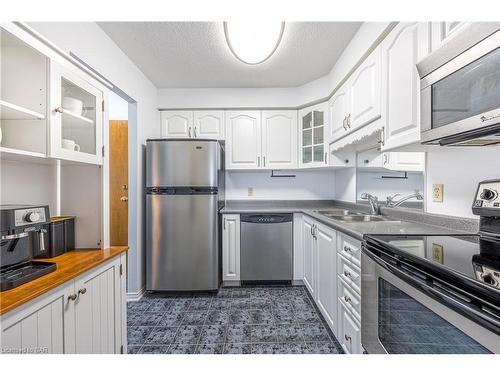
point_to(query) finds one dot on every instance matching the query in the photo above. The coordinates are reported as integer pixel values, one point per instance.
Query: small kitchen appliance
(22, 232)
(435, 293)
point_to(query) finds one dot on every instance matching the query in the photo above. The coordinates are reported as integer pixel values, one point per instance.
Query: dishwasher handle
(266, 218)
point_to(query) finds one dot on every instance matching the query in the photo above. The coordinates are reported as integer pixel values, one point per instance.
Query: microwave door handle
(438, 292)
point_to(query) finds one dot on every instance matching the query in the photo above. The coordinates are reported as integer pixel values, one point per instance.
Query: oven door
(397, 318)
(463, 97)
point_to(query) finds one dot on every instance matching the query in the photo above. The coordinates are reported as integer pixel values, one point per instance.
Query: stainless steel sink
(361, 218)
(336, 212)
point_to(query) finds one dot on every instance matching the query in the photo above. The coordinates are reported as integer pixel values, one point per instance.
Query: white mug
(73, 105)
(70, 145)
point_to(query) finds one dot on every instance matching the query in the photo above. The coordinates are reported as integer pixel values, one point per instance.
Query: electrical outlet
(250, 191)
(437, 192)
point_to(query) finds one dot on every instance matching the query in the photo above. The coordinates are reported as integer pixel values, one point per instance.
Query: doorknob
(124, 199)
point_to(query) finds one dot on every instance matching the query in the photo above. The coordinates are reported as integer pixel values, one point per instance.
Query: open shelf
(77, 118)
(7, 153)
(10, 111)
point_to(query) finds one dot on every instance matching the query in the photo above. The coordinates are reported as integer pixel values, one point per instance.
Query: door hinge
(103, 105)
(121, 269)
(121, 349)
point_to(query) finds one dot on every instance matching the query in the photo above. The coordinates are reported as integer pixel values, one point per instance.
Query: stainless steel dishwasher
(266, 248)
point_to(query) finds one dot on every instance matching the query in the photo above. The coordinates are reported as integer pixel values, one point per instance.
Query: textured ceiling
(195, 54)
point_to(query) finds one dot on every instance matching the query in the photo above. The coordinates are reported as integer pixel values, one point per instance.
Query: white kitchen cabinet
(309, 250)
(298, 251)
(231, 248)
(243, 140)
(364, 92)
(401, 50)
(444, 31)
(326, 279)
(404, 161)
(77, 113)
(279, 139)
(176, 124)
(208, 124)
(312, 136)
(70, 319)
(349, 331)
(338, 110)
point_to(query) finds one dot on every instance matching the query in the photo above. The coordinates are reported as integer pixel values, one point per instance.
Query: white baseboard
(135, 296)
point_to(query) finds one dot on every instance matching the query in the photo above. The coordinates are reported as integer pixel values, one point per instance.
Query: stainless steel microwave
(460, 89)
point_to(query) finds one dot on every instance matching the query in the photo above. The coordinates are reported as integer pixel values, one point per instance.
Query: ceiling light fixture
(251, 42)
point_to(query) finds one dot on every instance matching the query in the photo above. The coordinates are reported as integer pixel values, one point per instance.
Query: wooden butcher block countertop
(69, 265)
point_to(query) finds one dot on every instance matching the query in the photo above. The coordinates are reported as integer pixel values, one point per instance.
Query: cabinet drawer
(350, 249)
(350, 299)
(349, 273)
(350, 332)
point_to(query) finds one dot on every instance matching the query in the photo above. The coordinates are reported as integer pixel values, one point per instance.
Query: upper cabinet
(243, 140)
(401, 50)
(279, 139)
(192, 124)
(312, 130)
(76, 117)
(177, 124)
(357, 102)
(261, 139)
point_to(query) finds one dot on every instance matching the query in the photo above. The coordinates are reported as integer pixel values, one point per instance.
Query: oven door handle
(438, 292)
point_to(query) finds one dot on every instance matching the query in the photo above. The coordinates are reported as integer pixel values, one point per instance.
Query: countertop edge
(43, 289)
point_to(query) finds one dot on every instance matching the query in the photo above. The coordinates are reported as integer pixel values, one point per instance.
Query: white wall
(90, 43)
(345, 185)
(118, 107)
(373, 183)
(460, 170)
(306, 185)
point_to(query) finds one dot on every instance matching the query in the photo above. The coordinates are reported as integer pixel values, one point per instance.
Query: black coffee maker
(22, 232)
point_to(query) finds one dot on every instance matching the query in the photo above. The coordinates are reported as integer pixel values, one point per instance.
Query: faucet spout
(375, 208)
(392, 203)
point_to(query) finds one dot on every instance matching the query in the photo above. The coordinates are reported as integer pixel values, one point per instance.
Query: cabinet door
(76, 117)
(364, 92)
(208, 124)
(279, 139)
(243, 140)
(401, 50)
(405, 161)
(231, 248)
(349, 331)
(309, 251)
(97, 311)
(313, 128)
(39, 326)
(327, 274)
(337, 111)
(177, 124)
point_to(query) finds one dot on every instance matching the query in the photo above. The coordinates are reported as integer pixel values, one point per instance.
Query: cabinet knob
(347, 299)
(347, 273)
(72, 297)
(82, 291)
(347, 337)
(348, 249)
(59, 110)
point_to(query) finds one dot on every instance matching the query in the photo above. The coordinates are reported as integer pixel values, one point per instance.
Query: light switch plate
(437, 192)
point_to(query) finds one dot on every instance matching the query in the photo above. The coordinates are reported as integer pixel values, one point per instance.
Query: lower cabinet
(231, 248)
(319, 247)
(84, 315)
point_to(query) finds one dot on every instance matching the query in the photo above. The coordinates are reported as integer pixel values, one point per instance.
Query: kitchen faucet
(373, 203)
(391, 203)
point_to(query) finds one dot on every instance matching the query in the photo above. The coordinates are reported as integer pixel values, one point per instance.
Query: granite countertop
(405, 222)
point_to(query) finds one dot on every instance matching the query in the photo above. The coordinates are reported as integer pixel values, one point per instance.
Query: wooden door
(279, 139)
(118, 182)
(243, 140)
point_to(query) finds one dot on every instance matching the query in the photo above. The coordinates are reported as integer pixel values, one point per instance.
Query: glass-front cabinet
(76, 117)
(313, 127)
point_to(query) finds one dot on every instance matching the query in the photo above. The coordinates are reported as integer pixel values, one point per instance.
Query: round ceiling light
(251, 42)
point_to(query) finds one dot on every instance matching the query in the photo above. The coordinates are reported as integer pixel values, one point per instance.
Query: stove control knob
(32, 217)
(488, 194)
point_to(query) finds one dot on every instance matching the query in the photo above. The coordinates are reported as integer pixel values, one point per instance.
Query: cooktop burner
(473, 256)
(18, 274)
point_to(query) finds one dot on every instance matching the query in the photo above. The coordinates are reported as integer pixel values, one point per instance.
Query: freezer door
(181, 242)
(182, 163)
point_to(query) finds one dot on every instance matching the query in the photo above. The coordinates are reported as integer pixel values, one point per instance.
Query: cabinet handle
(82, 291)
(195, 131)
(349, 120)
(72, 297)
(347, 299)
(347, 337)
(189, 132)
(59, 110)
(258, 161)
(326, 154)
(264, 160)
(224, 223)
(347, 274)
(348, 249)
(344, 123)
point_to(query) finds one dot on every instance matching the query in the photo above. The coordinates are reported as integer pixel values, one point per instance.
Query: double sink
(352, 217)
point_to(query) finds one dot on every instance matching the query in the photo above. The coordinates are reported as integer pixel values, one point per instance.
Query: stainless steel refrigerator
(184, 193)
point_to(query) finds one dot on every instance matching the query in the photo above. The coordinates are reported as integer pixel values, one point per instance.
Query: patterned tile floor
(254, 320)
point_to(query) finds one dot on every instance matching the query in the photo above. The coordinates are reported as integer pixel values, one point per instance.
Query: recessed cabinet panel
(279, 139)
(231, 248)
(309, 255)
(208, 124)
(312, 136)
(338, 111)
(243, 148)
(177, 124)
